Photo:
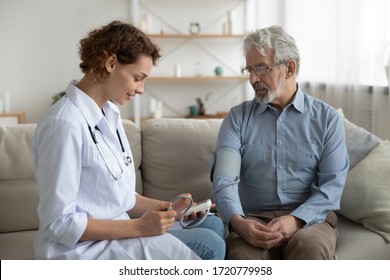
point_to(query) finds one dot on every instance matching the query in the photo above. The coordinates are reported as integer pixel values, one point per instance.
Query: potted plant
(57, 97)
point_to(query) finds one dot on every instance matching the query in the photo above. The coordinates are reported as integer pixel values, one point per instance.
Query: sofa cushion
(355, 242)
(366, 196)
(133, 134)
(16, 152)
(359, 141)
(176, 155)
(18, 205)
(17, 245)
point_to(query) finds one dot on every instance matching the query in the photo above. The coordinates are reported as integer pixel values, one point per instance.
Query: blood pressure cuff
(226, 162)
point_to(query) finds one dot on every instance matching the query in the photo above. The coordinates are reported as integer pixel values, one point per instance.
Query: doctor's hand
(180, 204)
(157, 220)
(255, 233)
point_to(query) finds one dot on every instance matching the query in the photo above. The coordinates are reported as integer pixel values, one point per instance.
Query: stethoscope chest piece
(127, 160)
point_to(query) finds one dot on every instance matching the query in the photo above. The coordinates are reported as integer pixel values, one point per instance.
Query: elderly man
(281, 160)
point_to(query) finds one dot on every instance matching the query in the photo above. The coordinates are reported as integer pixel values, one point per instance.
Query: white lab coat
(75, 184)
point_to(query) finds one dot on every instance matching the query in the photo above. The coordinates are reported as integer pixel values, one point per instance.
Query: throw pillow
(359, 141)
(366, 194)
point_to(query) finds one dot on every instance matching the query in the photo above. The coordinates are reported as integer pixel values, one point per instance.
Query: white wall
(39, 49)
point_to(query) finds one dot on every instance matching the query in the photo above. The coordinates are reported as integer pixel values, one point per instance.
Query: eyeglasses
(259, 70)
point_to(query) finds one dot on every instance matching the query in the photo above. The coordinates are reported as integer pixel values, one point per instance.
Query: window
(341, 42)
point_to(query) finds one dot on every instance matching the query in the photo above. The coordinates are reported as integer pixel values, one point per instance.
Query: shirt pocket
(91, 160)
(308, 159)
(96, 184)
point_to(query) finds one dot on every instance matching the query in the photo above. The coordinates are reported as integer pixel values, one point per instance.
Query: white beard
(271, 94)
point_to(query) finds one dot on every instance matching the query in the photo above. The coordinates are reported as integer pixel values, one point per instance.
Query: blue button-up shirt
(296, 160)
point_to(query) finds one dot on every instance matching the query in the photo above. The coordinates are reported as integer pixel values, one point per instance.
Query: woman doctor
(85, 169)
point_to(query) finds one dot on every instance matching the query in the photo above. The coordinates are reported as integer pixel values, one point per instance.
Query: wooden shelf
(200, 78)
(190, 36)
(11, 118)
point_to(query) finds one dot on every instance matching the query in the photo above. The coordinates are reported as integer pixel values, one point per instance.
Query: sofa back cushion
(18, 189)
(176, 156)
(133, 134)
(359, 141)
(16, 153)
(366, 196)
(18, 205)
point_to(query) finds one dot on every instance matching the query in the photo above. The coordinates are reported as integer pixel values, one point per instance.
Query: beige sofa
(175, 156)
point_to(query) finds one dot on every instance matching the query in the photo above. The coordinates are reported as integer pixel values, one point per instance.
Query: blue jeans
(207, 240)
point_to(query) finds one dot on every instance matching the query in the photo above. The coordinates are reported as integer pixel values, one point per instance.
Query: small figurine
(202, 110)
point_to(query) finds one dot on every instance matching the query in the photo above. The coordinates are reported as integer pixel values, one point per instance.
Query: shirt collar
(298, 102)
(112, 114)
(90, 110)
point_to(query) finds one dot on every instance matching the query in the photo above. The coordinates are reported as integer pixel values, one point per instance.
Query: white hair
(275, 40)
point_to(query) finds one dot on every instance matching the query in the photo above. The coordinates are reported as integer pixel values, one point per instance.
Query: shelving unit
(210, 48)
(11, 118)
(200, 42)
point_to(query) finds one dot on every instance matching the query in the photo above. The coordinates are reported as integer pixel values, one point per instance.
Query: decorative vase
(218, 71)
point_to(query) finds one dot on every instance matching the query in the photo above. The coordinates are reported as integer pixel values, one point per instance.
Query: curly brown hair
(122, 39)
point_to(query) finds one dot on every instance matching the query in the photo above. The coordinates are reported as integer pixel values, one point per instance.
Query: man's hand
(286, 226)
(256, 233)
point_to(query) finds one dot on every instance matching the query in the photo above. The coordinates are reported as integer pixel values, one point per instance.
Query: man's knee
(238, 249)
(312, 243)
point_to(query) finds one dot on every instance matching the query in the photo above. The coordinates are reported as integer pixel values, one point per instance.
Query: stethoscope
(126, 158)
